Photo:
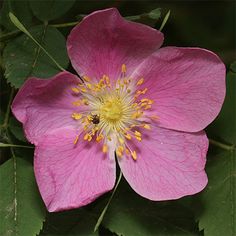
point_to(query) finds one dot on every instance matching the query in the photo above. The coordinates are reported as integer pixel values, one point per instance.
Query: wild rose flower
(148, 105)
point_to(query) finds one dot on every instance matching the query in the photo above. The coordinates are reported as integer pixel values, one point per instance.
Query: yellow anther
(121, 148)
(147, 126)
(144, 91)
(126, 81)
(154, 117)
(86, 78)
(84, 90)
(140, 81)
(76, 116)
(75, 90)
(127, 151)
(107, 80)
(138, 138)
(76, 139)
(85, 101)
(99, 138)
(89, 118)
(88, 137)
(89, 86)
(120, 151)
(85, 127)
(137, 115)
(138, 134)
(128, 90)
(104, 148)
(143, 104)
(128, 136)
(123, 68)
(134, 155)
(109, 138)
(121, 141)
(76, 103)
(94, 131)
(147, 107)
(145, 100)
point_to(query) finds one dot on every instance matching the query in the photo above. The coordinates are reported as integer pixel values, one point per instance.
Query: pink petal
(187, 85)
(44, 105)
(169, 165)
(104, 41)
(70, 176)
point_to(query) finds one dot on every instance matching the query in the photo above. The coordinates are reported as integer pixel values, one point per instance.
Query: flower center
(113, 112)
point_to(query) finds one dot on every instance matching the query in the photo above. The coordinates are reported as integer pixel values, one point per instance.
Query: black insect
(95, 119)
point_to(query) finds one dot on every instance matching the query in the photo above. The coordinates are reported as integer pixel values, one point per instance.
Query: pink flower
(148, 105)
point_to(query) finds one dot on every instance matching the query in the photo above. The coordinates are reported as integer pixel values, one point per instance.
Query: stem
(9, 35)
(65, 24)
(15, 203)
(5, 123)
(99, 221)
(222, 145)
(14, 145)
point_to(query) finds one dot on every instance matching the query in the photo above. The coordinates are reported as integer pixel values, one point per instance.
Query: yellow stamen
(119, 151)
(84, 90)
(104, 148)
(140, 81)
(76, 139)
(76, 116)
(121, 141)
(127, 151)
(154, 117)
(123, 68)
(134, 155)
(88, 137)
(86, 78)
(99, 138)
(147, 126)
(76, 103)
(128, 136)
(138, 134)
(147, 107)
(75, 90)
(89, 86)
(85, 101)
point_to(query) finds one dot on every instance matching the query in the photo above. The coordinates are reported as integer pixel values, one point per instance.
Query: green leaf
(50, 9)
(21, 209)
(217, 214)
(149, 18)
(233, 67)
(23, 58)
(129, 214)
(224, 127)
(74, 222)
(20, 8)
(165, 20)
(154, 15)
(218, 201)
(16, 129)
